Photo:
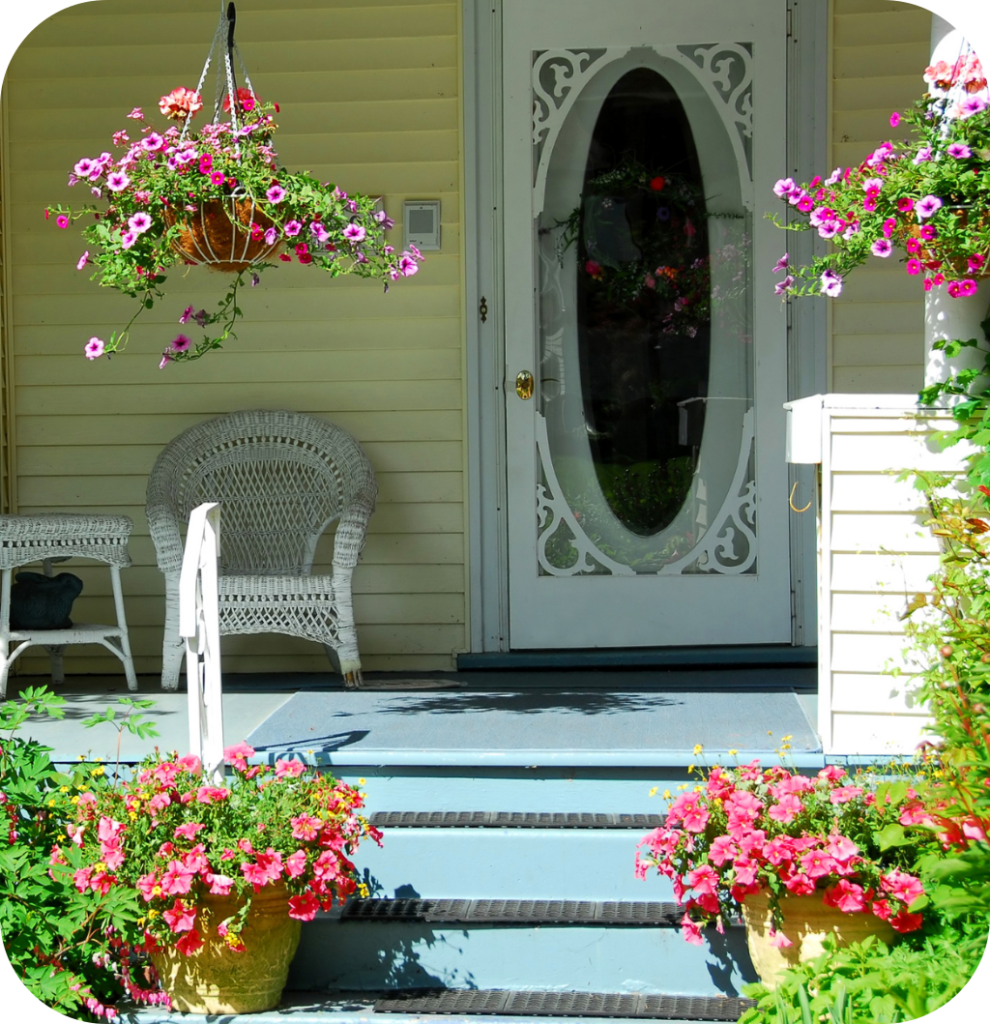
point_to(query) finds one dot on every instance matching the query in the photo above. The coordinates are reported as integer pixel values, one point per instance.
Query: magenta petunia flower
(271, 236)
(180, 343)
(905, 204)
(166, 359)
(923, 155)
(913, 246)
(831, 283)
(971, 105)
(217, 178)
(780, 288)
(914, 266)
(960, 151)
(927, 206)
(275, 194)
(881, 247)
(139, 223)
(976, 261)
(83, 167)
(869, 204)
(83, 260)
(888, 226)
(292, 228)
(784, 187)
(928, 232)
(153, 142)
(62, 221)
(206, 163)
(117, 181)
(95, 348)
(354, 233)
(895, 119)
(781, 264)
(872, 186)
(187, 315)
(128, 239)
(407, 266)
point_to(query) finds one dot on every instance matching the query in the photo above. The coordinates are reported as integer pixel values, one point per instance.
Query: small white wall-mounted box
(421, 223)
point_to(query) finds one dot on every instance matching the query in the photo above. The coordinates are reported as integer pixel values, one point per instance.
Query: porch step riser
(373, 956)
(509, 864)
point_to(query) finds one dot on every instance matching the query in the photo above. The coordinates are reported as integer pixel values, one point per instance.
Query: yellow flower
(75, 799)
(310, 752)
(63, 789)
(152, 914)
(132, 815)
(698, 749)
(99, 867)
(363, 890)
(786, 738)
(653, 792)
(141, 920)
(51, 803)
(97, 759)
(667, 794)
(361, 782)
(98, 771)
(683, 785)
(691, 768)
(734, 753)
(156, 891)
(81, 757)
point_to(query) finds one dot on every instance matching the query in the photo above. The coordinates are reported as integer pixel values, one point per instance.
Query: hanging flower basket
(226, 235)
(221, 199)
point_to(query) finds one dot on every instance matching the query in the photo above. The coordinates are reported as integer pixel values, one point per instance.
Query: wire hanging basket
(226, 235)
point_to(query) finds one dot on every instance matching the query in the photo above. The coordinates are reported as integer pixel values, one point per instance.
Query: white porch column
(945, 317)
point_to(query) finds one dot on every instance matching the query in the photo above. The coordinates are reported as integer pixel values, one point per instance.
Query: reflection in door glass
(645, 381)
(643, 289)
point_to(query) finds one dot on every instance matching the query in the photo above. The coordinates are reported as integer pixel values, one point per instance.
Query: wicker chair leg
(353, 680)
(172, 658)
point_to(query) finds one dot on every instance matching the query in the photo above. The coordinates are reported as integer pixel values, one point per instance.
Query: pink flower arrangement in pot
(195, 856)
(770, 833)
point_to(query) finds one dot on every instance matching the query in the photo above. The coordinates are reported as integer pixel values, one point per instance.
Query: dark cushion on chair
(43, 602)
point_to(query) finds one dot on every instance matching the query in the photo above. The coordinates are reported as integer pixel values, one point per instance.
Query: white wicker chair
(281, 479)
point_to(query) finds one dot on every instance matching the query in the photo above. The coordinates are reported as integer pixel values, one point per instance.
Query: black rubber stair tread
(502, 1002)
(513, 819)
(517, 912)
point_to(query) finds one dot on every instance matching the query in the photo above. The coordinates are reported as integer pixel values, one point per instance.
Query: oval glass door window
(645, 381)
(643, 290)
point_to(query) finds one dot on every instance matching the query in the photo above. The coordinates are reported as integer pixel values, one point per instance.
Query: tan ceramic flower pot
(218, 235)
(807, 921)
(215, 979)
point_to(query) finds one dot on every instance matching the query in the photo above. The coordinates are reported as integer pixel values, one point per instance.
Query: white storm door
(647, 484)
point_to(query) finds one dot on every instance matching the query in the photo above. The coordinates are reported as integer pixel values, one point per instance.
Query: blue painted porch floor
(556, 718)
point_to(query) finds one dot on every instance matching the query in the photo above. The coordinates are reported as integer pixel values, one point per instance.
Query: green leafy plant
(865, 983)
(69, 947)
(164, 191)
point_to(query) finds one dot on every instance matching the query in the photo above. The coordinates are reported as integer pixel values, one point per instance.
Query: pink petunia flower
(180, 343)
(927, 206)
(62, 221)
(275, 194)
(291, 769)
(779, 940)
(189, 943)
(905, 204)
(117, 181)
(784, 187)
(206, 163)
(407, 266)
(960, 151)
(691, 931)
(83, 260)
(220, 885)
(831, 283)
(189, 830)
(843, 794)
(902, 886)
(292, 228)
(95, 348)
(217, 178)
(179, 917)
(787, 808)
(295, 864)
(895, 119)
(177, 879)
(881, 247)
(354, 233)
(304, 907)
(847, 896)
(139, 223)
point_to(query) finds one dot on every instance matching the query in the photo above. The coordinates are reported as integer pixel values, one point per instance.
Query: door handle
(524, 385)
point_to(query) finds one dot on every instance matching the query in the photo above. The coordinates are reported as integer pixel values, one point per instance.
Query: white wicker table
(54, 537)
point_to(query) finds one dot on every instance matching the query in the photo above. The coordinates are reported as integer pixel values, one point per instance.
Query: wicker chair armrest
(165, 533)
(351, 532)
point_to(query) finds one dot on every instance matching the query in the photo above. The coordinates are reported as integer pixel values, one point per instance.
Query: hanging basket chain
(223, 43)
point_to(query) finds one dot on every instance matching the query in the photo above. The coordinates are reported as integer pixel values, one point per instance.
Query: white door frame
(485, 364)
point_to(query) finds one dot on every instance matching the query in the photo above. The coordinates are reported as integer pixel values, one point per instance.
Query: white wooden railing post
(199, 624)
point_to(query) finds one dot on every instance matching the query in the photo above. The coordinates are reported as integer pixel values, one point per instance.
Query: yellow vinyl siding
(880, 50)
(369, 99)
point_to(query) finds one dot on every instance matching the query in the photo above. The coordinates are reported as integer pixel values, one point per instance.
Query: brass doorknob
(524, 385)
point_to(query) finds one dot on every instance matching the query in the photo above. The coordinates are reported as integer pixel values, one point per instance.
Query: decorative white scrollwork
(727, 74)
(553, 512)
(558, 78)
(727, 548)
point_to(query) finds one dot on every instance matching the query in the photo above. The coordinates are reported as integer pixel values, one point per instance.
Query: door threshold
(770, 655)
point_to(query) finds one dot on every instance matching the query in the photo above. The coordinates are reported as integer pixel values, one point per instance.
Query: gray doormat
(577, 726)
